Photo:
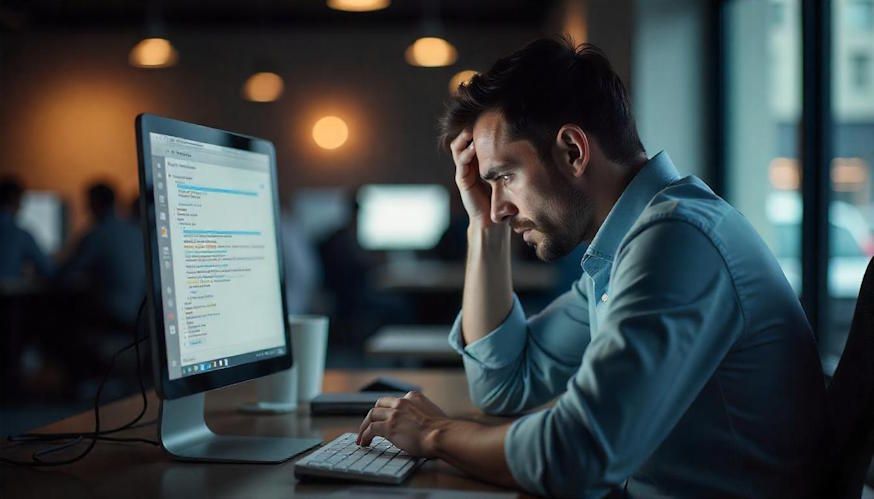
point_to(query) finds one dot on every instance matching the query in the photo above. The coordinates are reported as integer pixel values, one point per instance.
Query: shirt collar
(655, 175)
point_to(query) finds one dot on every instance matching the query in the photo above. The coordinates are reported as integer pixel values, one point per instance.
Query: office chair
(850, 401)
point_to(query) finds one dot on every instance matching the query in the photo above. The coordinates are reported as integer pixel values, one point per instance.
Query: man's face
(533, 196)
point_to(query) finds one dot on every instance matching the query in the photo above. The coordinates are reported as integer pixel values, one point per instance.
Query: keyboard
(342, 458)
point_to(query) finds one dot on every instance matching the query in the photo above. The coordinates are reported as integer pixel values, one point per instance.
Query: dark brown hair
(543, 86)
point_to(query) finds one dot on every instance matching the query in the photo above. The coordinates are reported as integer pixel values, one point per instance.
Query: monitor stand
(185, 435)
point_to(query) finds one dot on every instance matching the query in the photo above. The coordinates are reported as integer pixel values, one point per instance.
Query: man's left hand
(407, 422)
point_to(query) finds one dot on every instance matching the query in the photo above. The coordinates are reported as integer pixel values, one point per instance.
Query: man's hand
(406, 422)
(475, 193)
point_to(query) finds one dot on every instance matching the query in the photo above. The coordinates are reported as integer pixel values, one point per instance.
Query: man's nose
(501, 208)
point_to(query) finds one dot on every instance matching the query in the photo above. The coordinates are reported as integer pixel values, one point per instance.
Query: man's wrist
(434, 443)
(488, 237)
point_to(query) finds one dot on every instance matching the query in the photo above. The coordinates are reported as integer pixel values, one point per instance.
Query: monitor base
(185, 435)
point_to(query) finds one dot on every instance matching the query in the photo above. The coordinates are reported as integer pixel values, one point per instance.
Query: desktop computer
(215, 288)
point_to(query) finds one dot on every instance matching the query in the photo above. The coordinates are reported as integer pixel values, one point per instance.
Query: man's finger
(364, 424)
(465, 156)
(461, 141)
(380, 428)
(390, 402)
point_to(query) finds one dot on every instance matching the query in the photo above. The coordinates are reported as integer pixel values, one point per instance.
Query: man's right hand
(474, 191)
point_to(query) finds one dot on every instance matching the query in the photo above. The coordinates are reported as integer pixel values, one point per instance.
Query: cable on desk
(73, 439)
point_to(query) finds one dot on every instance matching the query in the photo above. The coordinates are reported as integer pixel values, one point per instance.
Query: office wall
(70, 98)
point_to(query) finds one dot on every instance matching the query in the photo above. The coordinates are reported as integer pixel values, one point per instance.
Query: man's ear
(572, 145)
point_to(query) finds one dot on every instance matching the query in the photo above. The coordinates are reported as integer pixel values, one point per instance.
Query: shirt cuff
(522, 452)
(500, 347)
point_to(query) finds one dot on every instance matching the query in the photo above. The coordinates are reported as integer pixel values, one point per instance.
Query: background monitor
(402, 217)
(42, 215)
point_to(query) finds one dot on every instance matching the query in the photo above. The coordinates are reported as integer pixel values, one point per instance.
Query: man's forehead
(493, 143)
(489, 131)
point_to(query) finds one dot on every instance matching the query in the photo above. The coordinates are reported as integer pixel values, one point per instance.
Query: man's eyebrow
(496, 171)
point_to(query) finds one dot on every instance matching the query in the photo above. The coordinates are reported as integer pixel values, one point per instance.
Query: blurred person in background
(110, 258)
(18, 249)
(303, 268)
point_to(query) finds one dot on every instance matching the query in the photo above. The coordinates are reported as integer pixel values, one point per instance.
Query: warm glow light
(358, 5)
(153, 53)
(263, 87)
(330, 132)
(460, 78)
(784, 174)
(431, 52)
(849, 174)
(576, 26)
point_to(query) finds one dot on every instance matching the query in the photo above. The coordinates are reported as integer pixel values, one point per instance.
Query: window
(851, 210)
(763, 108)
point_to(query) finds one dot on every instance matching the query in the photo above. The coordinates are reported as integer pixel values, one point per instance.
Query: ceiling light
(431, 52)
(153, 53)
(358, 5)
(263, 87)
(330, 132)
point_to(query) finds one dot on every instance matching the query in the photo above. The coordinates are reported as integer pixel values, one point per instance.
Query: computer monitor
(42, 215)
(216, 284)
(402, 217)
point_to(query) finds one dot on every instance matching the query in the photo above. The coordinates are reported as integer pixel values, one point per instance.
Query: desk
(412, 343)
(140, 470)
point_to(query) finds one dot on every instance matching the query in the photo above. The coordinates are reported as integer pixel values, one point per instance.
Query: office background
(770, 101)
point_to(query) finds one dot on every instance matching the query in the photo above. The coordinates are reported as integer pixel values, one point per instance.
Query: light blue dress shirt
(682, 362)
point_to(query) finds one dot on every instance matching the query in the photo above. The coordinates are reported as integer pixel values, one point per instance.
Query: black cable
(97, 434)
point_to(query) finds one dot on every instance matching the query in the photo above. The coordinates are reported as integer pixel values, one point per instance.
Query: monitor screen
(219, 267)
(402, 217)
(42, 215)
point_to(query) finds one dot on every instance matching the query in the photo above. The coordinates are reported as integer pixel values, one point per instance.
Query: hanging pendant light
(431, 50)
(155, 50)
(358, 5)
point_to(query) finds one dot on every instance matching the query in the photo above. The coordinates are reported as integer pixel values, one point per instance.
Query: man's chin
(544, 252)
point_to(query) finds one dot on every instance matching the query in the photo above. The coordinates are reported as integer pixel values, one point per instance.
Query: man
(110, 256)
(17, 246)
(681, 362)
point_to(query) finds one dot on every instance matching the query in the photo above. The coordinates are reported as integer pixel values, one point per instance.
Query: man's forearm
(488, 286)
(474, 448)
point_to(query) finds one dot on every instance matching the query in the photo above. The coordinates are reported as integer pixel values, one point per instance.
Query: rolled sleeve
(500, 347)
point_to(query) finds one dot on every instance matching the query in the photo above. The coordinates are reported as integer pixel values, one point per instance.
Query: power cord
(72, 439)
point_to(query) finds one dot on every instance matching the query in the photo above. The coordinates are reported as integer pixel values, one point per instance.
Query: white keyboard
(342, 458)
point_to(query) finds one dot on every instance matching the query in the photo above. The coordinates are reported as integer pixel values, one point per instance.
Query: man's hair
(101, 196)
(10, 192)
(547, 84)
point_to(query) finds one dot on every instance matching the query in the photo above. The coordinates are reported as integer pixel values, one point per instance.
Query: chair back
(851, 403)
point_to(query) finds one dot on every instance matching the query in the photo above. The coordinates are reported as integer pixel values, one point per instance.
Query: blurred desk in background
(439, 276)
(141, 470)
(412, 345)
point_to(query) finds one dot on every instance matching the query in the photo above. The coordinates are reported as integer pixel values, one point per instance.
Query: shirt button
(604, 297)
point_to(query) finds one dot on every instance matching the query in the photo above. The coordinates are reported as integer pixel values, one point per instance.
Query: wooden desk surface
(141, 470)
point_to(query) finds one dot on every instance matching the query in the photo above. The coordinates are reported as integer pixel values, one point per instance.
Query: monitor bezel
(210, 380)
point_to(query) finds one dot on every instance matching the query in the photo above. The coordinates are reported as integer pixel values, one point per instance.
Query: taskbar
(226, 362)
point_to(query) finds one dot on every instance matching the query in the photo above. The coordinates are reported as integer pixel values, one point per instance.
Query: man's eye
(504, 178)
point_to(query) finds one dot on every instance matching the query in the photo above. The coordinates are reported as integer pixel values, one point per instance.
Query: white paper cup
(309, 346)
(280, 392)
